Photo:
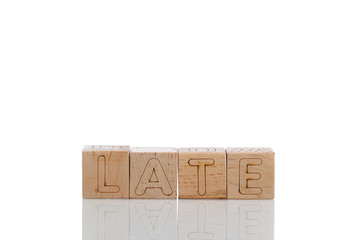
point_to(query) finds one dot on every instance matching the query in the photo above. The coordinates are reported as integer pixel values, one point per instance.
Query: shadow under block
(106, 171)
(202, 173)
(153, 173)
(250, 173)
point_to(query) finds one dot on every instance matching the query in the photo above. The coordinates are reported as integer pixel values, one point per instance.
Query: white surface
(183, 219)
(280, 74)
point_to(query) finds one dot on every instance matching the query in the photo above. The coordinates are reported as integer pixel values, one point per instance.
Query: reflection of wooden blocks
(153, 173)
(250, 173)
(106, 171)
(105, 220)
(202, 173)
(152, 220)
(203, 220)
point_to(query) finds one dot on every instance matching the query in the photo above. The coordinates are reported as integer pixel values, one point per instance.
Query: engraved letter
(153, 177)
(246, 175)
(102, 186)
(201, 168)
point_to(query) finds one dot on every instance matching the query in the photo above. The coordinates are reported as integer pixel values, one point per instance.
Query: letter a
(153, 177)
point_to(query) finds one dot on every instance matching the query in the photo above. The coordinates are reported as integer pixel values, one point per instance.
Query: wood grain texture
(202, 173)
(106, 171)
(153, 173)
(250, 173)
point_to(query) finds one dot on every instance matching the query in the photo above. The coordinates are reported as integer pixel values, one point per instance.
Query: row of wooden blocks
(212, 173)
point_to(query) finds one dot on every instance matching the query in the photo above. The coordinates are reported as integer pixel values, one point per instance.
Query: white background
(282, 74)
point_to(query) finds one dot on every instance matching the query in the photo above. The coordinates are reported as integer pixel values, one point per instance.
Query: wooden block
(202, 173)
(250, 173)
(106, 171)
(153, 173)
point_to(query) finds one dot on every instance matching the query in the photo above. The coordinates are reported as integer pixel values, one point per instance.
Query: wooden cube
(153, 173)
(106, 171)
(250, 173)
(202, 173)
